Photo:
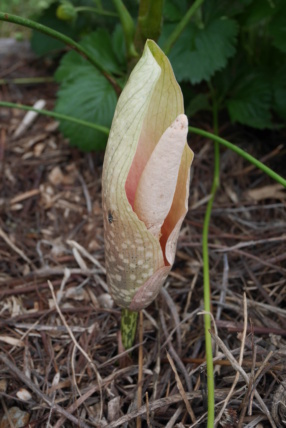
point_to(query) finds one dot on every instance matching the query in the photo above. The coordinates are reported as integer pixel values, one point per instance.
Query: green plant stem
(98, 4)
(276, 177)
(149, 22)
(128, 327)
(56, 116)
(181, 26)
(241, 153)
(128, 28)
(95, 10)
(26, 80)
(206, 270)
(7, 17)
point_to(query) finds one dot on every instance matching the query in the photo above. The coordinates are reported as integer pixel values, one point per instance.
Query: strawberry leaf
(200, 52)
(279, 91)
(85, 93)
(277, 28)
(250, 101)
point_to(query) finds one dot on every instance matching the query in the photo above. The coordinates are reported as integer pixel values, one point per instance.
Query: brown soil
(59, 361)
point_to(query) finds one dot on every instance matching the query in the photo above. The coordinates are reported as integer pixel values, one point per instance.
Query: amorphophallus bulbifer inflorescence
(145, 182)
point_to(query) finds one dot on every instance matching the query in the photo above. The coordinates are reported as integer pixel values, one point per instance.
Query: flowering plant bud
(145, 181)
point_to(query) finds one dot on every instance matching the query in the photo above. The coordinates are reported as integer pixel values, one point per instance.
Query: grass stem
(55, 115)
(241, 153)
(181, 26)
(24, 22)
(206, 271)
(272, 174)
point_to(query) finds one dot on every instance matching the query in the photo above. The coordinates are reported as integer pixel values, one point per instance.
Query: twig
(29, 118)
(175, 355)
(39, 393)
(252, 243)
(105, 382)
(25, 195)
(173, 419)
(233, 327)
(147, 411)
(252, 386)
(175, 315)
(181, 389)
(54, 384)
(7, 414)
(258, 285)
(237, 367)
(193, 283)
(187, 318)
(32, 326)
(86, 194)
(248, 398)
(73, 370)
(76, 343)
(65, 279)
(214, 326)
(14, 248)
(162, 402)
(140, 368)
(76, 404)
(224, 286)
(256, 378)
(79, 260)
(263, 159)
(239, 362)
(85, 253)
(219, 362)
(120, 356)
(262, 366)
(240, 152)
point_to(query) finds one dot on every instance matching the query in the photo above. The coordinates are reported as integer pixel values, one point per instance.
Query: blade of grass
(241, 153)
(206, 271)
(63, 38)
(26, 80)
(58, 116)
(128, 28)
(96, 11)
(181, 26)
(276, 177)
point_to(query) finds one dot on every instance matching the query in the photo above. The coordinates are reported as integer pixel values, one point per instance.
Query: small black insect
(110, 217)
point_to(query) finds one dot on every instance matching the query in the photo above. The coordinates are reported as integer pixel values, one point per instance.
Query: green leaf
(250, 101)
(99, 44)
(279, 91)
(277, 28)
(258, 10)
(213, 9)
(119, 47)
(43, 44)
(198, 103)
(85, 93)
(224, 80)
(174, 10)
(199, 53)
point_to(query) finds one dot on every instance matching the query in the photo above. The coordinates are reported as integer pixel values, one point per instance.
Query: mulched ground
(59, 361)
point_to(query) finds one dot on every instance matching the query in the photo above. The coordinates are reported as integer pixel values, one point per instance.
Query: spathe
(147, 142)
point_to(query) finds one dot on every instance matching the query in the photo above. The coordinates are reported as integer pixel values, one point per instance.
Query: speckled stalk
(128, 327)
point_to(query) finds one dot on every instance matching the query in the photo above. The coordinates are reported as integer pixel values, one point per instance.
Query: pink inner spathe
(144, 150)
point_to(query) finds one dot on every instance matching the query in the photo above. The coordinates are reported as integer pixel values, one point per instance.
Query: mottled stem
(128, 327)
